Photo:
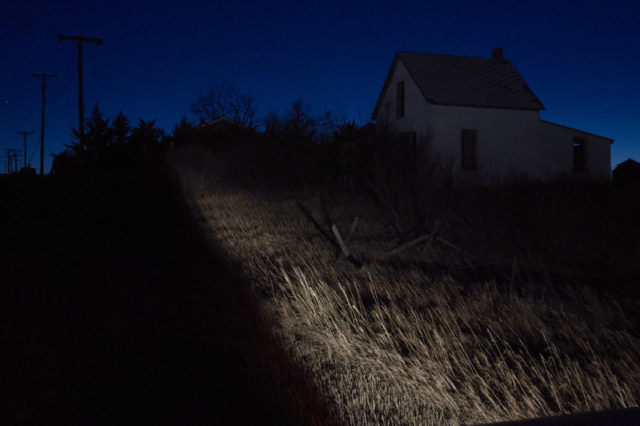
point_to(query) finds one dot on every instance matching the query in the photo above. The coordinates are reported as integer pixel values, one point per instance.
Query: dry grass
(397, 343)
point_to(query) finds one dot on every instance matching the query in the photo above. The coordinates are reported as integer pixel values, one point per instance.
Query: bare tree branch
(225, 100)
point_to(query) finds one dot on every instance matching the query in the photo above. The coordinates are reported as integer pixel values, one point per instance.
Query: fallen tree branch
(453, 246)
(434, 232)
(339, 240)
(335, 239)
(407, 245)
(429, 237)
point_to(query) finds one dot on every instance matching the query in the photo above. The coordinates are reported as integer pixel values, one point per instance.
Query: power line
(44, 88)
(33, 152)
(24, 134)
(78, 41)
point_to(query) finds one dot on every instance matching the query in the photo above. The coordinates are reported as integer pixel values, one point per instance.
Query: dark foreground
(115, 311)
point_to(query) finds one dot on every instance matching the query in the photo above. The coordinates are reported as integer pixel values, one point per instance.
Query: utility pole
(44, 88)
(15, 159)
(78, 41)
(24, 133)
(12, 160)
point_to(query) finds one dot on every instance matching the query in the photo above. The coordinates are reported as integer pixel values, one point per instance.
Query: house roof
(218, 119)
(466, 81)
(629, 163)
(218, 122)
(576, 130)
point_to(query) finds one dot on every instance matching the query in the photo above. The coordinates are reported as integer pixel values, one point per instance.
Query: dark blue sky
(581, 58)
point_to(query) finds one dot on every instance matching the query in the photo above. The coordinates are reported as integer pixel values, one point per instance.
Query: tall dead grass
(406, 342)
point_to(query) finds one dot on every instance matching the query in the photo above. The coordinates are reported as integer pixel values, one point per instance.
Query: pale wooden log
(407, 245)
(425, 237)
(339, 240)
(336, 239)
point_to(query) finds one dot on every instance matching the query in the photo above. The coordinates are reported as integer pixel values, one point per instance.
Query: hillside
(518, 307)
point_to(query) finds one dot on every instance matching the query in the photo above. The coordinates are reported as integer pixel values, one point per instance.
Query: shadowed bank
(114, 310)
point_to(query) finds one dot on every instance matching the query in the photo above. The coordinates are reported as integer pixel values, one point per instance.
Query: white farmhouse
(481, 120)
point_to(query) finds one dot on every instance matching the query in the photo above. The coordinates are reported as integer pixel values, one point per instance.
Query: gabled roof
(465, 81)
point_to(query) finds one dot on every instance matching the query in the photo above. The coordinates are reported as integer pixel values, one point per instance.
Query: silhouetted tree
(298, 124)
(64, 163)
(119, 153)
(92, 146)
(346, 132)
(272, 124)
(225, 100)
(121, 129)
(327, 124)
(146, 138)
(108, 147)
(183, 133)
(290, 149)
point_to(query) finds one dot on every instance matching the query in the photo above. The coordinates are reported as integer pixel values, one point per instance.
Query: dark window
(469, 149)
(400, 99)
(579, 155)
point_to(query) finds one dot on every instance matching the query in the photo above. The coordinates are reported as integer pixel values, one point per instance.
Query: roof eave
(376, 110)
(577, 130)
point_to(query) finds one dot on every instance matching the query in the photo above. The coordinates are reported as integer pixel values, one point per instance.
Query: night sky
(582, 58)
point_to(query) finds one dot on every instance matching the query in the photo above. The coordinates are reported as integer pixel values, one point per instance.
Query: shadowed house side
(482, 121)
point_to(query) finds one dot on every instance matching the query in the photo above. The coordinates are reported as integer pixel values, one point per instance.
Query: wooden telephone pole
(44, 98)
(24, 133)
(12, 160)
(78, 41)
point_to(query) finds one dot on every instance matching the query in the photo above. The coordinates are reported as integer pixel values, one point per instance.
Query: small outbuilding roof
(630, 162)
(466, 81)
(627, 173)
(218, 121)
(628, 165)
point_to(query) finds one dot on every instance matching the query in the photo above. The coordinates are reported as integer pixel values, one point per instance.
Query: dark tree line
(108, 145)
(225, 100)
(293, 148)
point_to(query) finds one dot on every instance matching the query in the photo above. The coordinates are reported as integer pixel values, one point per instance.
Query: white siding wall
(510, 143)
(416, 108)
(506, 141)
(558, 143)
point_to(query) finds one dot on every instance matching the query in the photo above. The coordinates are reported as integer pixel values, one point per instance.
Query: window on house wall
(400, 99)
(579, 154)
(469, 149)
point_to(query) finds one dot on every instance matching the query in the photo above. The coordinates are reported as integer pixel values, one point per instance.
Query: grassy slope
(113, 310)
(396, 343)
